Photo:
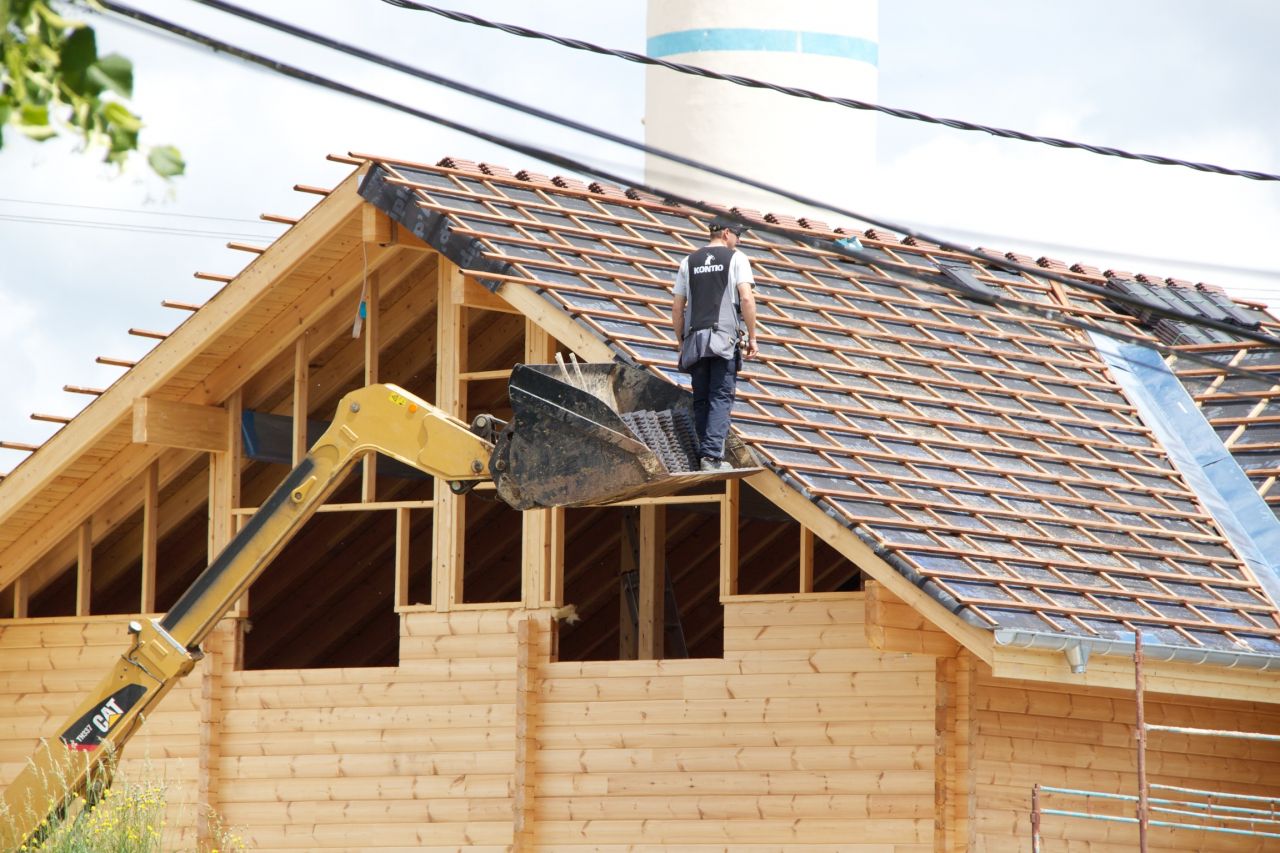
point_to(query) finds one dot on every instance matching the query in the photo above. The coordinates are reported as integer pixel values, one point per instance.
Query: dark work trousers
(715, 382)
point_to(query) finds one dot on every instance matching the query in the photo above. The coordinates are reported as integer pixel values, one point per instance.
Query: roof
(989, 456)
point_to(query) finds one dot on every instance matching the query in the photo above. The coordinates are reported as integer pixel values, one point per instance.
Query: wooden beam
(115, 362)
(806, 559)
(404, 530)
(473, 294)
(1116, 671)
(150, 535)
(224, 485)
(449, 527)
(375, 226)
(729, 539)
(651, 627)
(844, 540)
(372, 343)
(166, 423)
(51, 419)
(301, 403)
(187, 342)
(543, 529)
(84, 568)
(21, 597)
(277, 218)
(554, 321)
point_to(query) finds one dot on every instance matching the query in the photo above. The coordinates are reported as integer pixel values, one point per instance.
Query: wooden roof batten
(113, 407)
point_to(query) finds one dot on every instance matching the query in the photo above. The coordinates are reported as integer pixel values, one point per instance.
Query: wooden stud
(729, 539)
(806, 559)
(473, 294)
(166, 423)
(301, 405)
(543, 529)
(651, 627)
(404, 530)
(962, 781)
(449, 527)
(372, 343)
(150, 535)
(224, 482)
(84, 568)
(21, 597)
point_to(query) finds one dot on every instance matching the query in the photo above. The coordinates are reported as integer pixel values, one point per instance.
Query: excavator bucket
(589, 434)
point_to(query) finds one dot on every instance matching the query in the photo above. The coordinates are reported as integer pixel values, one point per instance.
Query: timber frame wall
(842, 721)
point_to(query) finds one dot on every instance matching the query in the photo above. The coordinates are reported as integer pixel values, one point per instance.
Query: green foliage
(52, 79)
(119, 814)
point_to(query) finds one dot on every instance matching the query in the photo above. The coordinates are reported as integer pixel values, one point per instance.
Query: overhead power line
(573, 124)
(137, 228)
(851, 103)
(129, 210)
(1057, 315)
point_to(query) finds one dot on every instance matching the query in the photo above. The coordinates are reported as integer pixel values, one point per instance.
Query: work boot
(709, 464)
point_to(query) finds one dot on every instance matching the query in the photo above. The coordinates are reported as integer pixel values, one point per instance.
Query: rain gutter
(1078, 650)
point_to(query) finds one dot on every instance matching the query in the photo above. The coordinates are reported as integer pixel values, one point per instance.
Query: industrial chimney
(819, 150)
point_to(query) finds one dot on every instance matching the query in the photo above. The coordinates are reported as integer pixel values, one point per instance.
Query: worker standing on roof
(713, 314)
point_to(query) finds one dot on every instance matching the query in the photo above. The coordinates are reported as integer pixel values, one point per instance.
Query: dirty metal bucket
(587, 434)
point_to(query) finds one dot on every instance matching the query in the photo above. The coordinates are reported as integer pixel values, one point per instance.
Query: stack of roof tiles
(983, 451)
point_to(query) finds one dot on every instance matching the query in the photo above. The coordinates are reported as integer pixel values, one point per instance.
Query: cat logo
(107, 716)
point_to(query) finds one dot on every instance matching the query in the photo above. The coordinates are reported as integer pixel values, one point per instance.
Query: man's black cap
(724, 223)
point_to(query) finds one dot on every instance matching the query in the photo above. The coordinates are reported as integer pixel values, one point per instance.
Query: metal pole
(1142, 741)
(1035, 818)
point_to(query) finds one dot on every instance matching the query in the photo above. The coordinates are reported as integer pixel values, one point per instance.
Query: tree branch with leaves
(52, 79)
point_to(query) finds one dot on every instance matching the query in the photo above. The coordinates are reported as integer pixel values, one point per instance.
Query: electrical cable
(545, 155)
(129, 210)
(852, 103)
(804, 201)
(136, 228)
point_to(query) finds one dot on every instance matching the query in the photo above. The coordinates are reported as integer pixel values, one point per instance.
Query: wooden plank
(651, 562)
(84, 568)
(207, 772)
(21, 597)
(168, 423)
(375, 226)
(846, 608)
(542, 531)
(150, 535)
(555, 321)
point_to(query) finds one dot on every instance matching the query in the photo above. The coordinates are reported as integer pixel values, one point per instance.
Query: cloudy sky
(87, 252)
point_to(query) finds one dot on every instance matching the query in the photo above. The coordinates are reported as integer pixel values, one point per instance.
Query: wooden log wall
(1029, 732)
(803, 738)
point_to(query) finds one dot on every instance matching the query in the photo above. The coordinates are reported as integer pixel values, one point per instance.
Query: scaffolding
(1169, 806)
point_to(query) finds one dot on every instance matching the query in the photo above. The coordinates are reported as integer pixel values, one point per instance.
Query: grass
(132, 816)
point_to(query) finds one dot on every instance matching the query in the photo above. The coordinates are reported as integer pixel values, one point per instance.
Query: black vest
(708, 278)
